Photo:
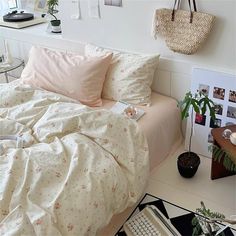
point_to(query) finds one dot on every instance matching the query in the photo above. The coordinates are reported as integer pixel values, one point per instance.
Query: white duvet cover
(78, 166)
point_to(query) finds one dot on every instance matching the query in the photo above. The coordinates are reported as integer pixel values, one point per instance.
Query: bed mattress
(161, 125)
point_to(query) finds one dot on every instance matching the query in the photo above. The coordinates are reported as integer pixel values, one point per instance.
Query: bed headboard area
(172, 77)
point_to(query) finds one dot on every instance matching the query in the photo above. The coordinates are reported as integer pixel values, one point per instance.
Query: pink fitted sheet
(161, 125)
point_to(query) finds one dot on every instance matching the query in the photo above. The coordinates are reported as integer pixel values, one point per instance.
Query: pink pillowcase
(72, 75)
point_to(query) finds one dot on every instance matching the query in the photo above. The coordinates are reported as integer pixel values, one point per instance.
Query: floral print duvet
(74, 168)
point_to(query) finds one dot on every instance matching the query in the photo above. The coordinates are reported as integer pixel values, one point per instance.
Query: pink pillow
(72, 75)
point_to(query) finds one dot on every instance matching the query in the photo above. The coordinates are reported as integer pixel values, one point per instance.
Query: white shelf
(35, 30)
(38, 35)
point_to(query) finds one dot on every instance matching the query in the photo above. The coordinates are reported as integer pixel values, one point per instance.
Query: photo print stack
(221, 89)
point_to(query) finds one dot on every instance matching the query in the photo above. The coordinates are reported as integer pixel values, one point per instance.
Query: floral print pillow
(129, 77)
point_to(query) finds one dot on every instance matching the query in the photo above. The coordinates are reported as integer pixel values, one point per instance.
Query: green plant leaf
(194, 221)
(195, 105)
(196, 227)
(198, 102)
(211, 109)
(204, 109)
(210, 101)
(52, 4)
(184, 113)
(219, 153)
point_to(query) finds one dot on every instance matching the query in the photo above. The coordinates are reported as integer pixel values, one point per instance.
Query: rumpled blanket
(77, 166)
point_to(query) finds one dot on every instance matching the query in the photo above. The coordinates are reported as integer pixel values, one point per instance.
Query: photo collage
(225, 108)
(220, 87)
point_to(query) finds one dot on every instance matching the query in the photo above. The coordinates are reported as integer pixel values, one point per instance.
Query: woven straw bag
(184, 31)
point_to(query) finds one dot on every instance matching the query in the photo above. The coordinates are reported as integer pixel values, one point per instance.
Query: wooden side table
(217, 168)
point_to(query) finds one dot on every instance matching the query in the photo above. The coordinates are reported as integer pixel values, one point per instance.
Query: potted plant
(55, 23)
(205, 222)
(189, 161)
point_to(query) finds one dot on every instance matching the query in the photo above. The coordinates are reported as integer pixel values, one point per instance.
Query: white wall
(128, 28)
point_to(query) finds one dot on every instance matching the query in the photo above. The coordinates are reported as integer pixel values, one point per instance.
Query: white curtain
(4, 7)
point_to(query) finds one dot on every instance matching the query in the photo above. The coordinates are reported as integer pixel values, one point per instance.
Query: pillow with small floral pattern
(129, 76)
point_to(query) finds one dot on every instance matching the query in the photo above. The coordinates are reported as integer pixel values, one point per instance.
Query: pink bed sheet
(161, 124)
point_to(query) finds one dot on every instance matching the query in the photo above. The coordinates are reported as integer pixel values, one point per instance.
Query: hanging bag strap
(190, 8)
(191, 12)
(194, 5)
(177, 3)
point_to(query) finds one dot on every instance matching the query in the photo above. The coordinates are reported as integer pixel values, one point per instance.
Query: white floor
(165, 182)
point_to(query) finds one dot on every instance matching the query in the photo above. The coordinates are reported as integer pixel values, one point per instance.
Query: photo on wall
(232, 96)
(219, 93)
(215, 123)
(116, 3)
(200, 119)
(204, 89)
(218, 109)
(41, 5)
(231, 112)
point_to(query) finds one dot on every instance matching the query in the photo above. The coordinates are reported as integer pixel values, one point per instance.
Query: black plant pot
(55, 22)
(55, 26)
(188, 163)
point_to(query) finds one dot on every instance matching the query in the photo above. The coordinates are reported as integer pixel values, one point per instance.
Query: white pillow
(129, 76)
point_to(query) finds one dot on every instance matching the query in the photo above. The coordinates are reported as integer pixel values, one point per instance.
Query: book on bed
(128, 110)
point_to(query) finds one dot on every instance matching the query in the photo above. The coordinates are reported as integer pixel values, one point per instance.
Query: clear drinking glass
(226, 133)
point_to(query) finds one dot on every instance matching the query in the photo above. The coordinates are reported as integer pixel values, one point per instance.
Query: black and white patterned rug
(179, 217)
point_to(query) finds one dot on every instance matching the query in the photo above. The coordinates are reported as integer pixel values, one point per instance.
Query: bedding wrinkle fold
(77, 169)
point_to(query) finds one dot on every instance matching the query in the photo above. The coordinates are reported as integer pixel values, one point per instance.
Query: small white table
(16, 63)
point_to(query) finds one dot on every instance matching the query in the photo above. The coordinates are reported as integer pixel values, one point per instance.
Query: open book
(121, 107)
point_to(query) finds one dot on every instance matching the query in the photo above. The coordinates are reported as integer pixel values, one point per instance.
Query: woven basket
(186, 32)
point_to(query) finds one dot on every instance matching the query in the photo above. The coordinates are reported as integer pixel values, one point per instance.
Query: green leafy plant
(206, 219)
(52, 4)
(219, 153)
(199, 103)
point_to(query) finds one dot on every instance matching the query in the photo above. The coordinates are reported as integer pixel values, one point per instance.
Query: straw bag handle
(173, 11)
(190, 8)
(194, 7)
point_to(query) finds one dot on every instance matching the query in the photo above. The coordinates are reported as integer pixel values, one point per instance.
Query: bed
(66, 168)
(75, 169)
(161, 126)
